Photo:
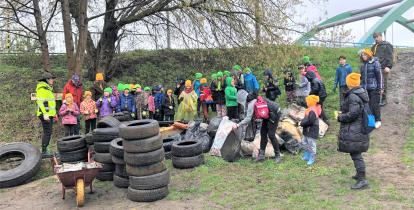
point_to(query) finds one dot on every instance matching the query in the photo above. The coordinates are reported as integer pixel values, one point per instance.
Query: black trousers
(358, 163)
(47, 131)
(268, 129)
(169, 117)
(323, 114)
(70, 130)
(233, 112)
(77, 127)
(90, 125)
(374, 100)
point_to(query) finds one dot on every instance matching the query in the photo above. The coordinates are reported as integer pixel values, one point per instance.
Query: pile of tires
(187, 154)
(102, 138)
(144, 158)
(123, 116)
(116, 149)
(72, 149)
(167, 144)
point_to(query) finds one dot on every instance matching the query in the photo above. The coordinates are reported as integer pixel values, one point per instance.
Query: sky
(397, 34)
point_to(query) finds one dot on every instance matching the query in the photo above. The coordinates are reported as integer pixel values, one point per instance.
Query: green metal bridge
(388, 16)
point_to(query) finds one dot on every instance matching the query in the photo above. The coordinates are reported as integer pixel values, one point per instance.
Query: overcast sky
(402, 36)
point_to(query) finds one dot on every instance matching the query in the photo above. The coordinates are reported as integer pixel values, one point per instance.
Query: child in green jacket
(231, 99)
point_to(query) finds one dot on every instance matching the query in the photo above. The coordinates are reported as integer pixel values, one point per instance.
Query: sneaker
(361, 184)
(278, 159)
(377, 124)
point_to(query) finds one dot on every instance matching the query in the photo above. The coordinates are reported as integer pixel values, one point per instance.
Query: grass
(242, 184)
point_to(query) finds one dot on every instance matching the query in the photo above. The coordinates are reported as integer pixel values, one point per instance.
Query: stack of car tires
(144, 157)
(117, 151)
(72, 149)
(102, 138)
(187, 154)
(167, 144)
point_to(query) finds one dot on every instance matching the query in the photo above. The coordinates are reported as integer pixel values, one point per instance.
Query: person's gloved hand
(46, 117)
(133, 115)
(170, 107)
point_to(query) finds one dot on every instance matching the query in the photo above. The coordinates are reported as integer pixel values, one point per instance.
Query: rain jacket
(69, 117)
(351, 138)
(76, 92)
(231, 94)
(126, 103)
(371, 75)
(384, 51)
(45, 99)
(88, 106)
(341, 73)
(187, 110)
(250, 83)
(106, 105)
(205, 93)
(158, 99)
(197, 85)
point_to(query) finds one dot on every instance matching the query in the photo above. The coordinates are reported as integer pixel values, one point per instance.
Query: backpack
(368, 120)
(261, 110)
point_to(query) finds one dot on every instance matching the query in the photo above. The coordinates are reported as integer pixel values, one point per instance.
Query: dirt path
(385, 163)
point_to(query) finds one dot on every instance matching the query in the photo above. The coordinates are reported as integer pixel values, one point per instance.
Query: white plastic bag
(223, 131)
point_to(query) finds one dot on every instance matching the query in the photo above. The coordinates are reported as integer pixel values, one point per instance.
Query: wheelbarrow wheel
(80, 192)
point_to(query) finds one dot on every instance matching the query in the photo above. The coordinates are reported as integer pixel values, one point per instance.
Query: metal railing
(337, 44)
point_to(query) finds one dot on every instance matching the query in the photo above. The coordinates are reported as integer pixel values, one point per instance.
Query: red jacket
(205, 93)
(75, 91)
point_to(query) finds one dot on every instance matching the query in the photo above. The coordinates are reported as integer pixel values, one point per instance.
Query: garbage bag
(214, 124)
(226, 126)
(251, 148)
(198, 132)
(230, 151)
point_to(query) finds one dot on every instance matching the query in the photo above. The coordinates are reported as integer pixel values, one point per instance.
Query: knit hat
(227, 73)
(219, 74)
(169, 91)
(198, 76)
(132, 86)
(203, 81)
(306, 59)
(99, 77)
(312, 100)
(75, 78)
(214, 76)
(87, 93)
(147, 88)
(353, 80)
(188, 83)
(368, 52)
(120, 86)
(127, 87)
(247, 70)
(237, 68)
(137, 86)
(108, 90)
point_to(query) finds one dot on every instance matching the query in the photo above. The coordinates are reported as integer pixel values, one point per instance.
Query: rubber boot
(261, 156)
(311, 160)
(278, 159)
(46, 153)
(362, 182)
(306, 155)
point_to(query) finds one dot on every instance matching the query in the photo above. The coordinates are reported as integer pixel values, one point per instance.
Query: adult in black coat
(179, 88)
(168, 106)
(351, 138)
(318, 89)
(271, 87)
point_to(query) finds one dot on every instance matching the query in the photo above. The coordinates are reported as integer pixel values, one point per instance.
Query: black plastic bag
(197, 133)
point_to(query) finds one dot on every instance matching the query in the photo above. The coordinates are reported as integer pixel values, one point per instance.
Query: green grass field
(243, 184)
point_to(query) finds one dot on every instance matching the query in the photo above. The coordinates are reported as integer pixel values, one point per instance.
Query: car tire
(147, 195)
(167, 155)
(71, 143)
(108, 122)
(120, 170)
(144, 159)
(103, 157)
(187, 162)
(186, 149)
(89, 139)
(116, 148)
(105, 134)
(139, 129)
(118, 161)
(150, 182)
(101, 147)
(121, 182)
(108, 167)
(74, 156)
(143, 145)
(105, 176)
(167, 143)
(146, 170)
(27, 169)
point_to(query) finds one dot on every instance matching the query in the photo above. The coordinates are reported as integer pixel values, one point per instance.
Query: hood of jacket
(228, 81)
(43, 85)
(361, 93)
(268, 72)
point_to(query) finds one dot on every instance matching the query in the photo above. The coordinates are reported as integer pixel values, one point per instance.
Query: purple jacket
(106, 105)
(69, 117)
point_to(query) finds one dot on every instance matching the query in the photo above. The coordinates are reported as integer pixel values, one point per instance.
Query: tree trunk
(83, 35)
(42, 36)
(258, 19)
(67, 27)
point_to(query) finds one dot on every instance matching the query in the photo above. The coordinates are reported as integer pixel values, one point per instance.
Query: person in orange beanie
(310, 125)
(98, 86)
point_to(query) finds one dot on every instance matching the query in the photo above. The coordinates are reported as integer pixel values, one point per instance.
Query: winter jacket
(231, 94)
(371, 75)
(304, 87)
(351, 138)
(179, 90)
(341, 73)
(76, 92)
(317, 87)
(167, 103)
(384, 51)
(250, 83)
(126, 103)
(310, 125)
(106, 105)
(98, 89)
(272, 89)
(197, 87)
(313, 69)
(151, 103)
(69, 117)
(218, 94)
(45, 100)
(158, 99)
(205, 93)
(88, 108)
(289, 83)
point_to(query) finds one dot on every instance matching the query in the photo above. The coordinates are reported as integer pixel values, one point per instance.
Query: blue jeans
(309, 144)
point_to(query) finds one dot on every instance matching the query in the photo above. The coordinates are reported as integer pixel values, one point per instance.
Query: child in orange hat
(88, 110)
(310, 125)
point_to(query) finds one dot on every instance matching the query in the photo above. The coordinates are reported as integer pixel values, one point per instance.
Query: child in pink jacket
(69, 113)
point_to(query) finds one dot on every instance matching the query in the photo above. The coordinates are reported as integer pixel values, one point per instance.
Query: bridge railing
(337, 44)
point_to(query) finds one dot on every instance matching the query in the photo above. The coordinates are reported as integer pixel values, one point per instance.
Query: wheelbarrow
(77, 177)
